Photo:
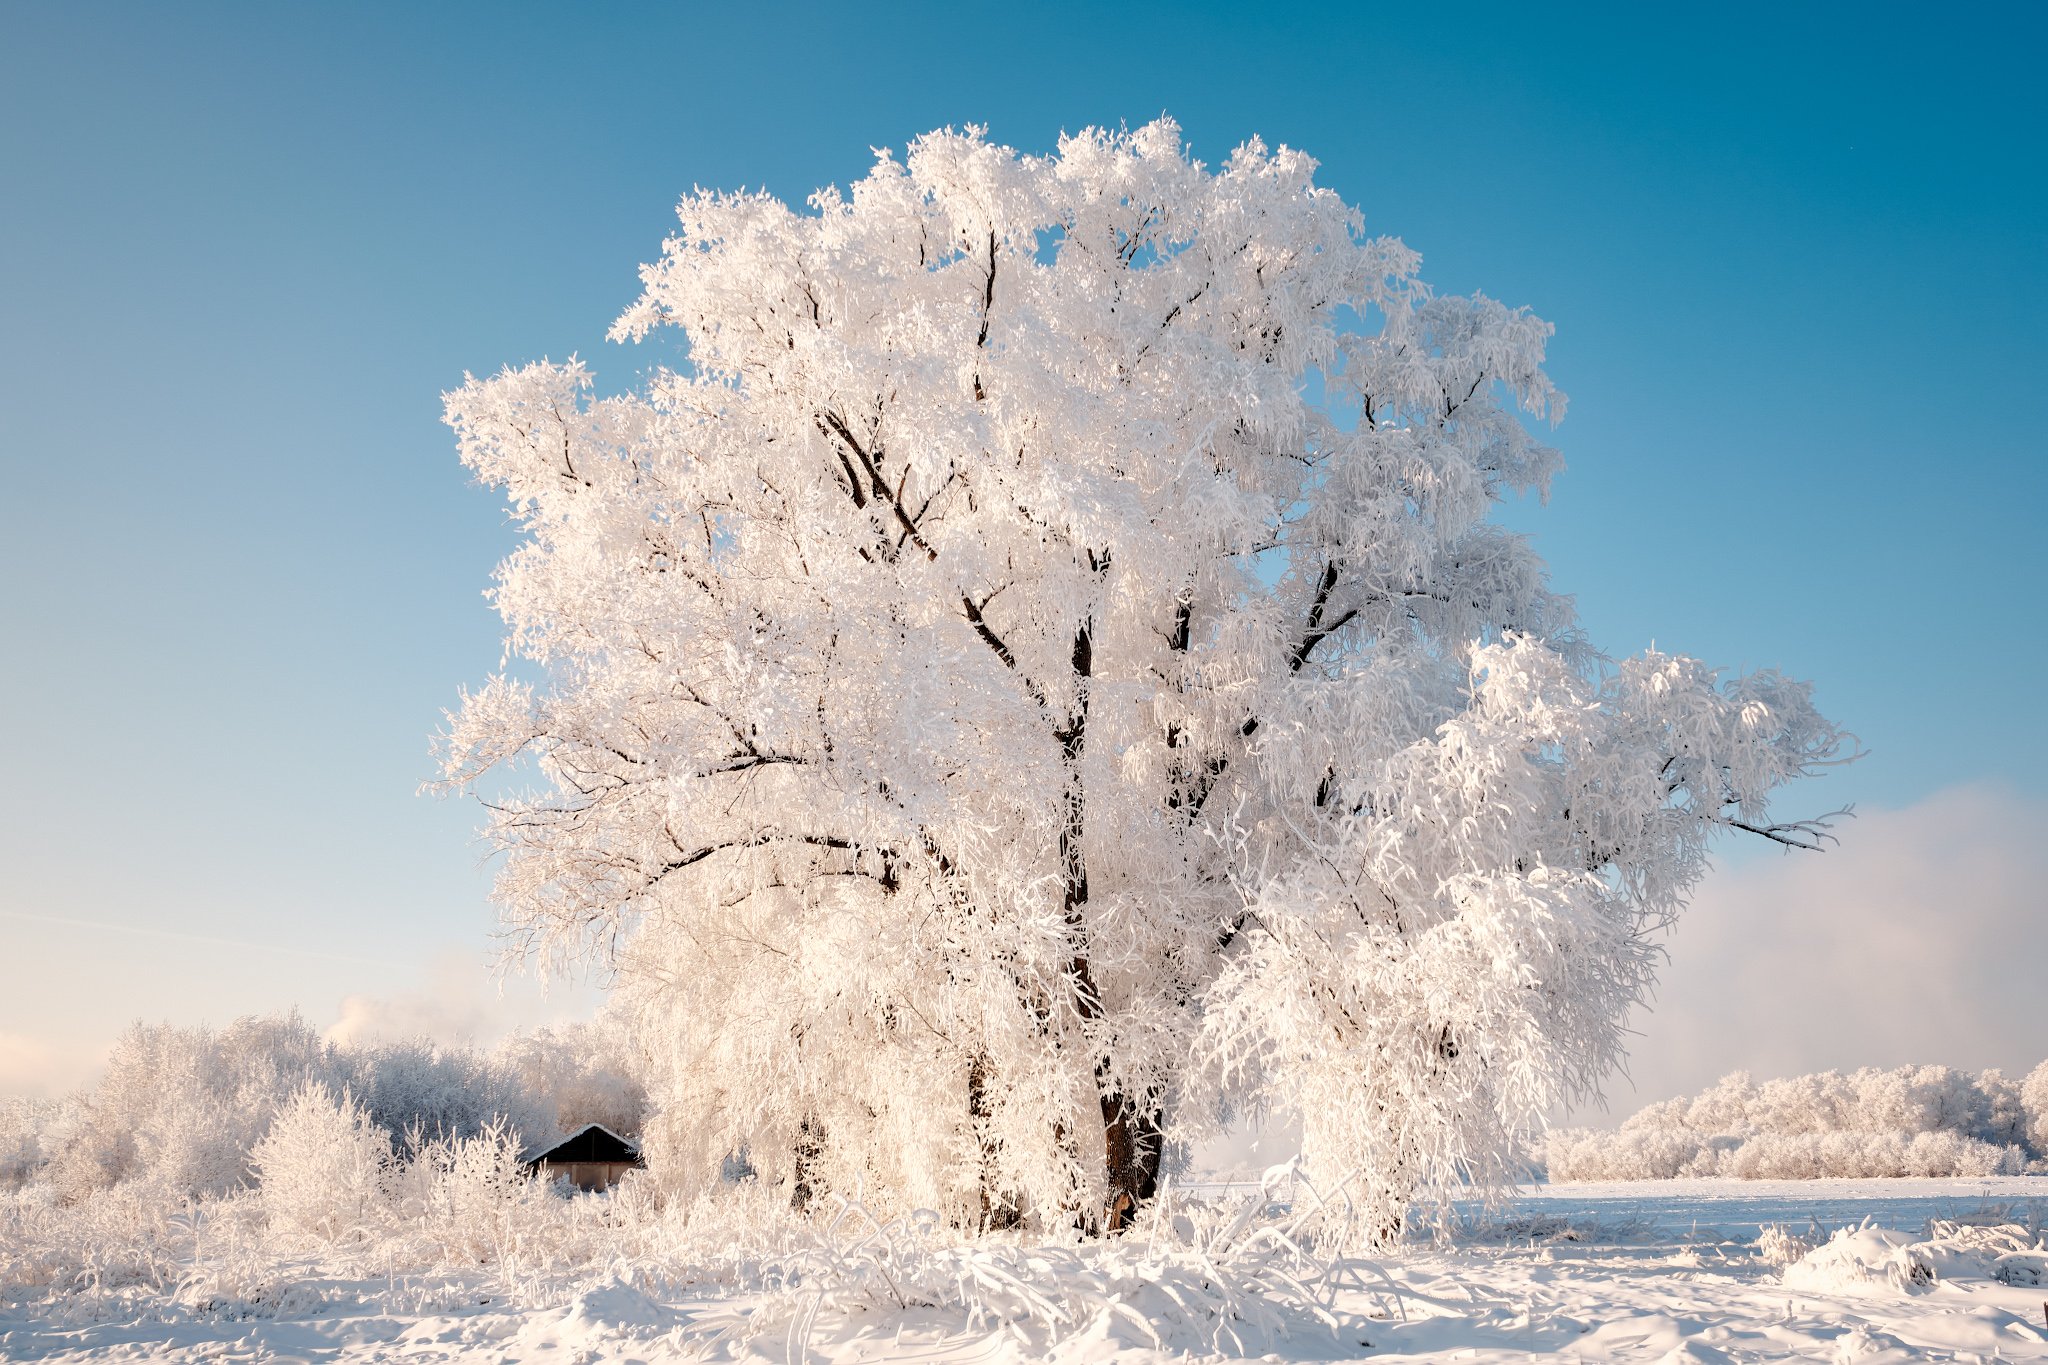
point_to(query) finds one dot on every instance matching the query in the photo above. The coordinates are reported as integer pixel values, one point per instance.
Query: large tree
(1039, 673)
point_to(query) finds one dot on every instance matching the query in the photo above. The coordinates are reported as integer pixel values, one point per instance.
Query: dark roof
(592, 1142)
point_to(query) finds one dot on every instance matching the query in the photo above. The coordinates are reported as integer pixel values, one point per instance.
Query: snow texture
(1647, 1272)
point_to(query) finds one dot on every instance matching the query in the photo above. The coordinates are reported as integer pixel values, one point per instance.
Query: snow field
(1698, 1271)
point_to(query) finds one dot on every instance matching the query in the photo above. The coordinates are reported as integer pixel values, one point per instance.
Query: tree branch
(833, 425)
(995, 642)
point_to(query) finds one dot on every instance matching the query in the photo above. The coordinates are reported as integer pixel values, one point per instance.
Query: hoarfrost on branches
(1041, 674)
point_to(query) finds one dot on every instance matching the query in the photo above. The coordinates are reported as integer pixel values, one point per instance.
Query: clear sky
(1797, 258)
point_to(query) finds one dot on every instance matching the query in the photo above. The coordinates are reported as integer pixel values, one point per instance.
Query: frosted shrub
(1664, 1114)
(1724, 1107)
(1949, 1153)
(2004, 1122)
(1923, 1099)
(184, 1106)
(122, 1237)
(467, 1197)
(25, 1126)
(322, 1165)
(1841, 1154)
(445, 1091)
(1655, 1154)
(1778, 1247)
(1217, 1279)
(1769, 1156)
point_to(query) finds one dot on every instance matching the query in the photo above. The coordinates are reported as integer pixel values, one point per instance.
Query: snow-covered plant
(27, 1127)
(442, 1090)
(1040, 669)
(323, 1164)
(1868, 1257)
(185, 1106)
(466, 1197)
(1209, 1280)
(2002, 1117)
(1778, 1246)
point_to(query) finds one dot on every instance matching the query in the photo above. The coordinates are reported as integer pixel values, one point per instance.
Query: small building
(591, 1158)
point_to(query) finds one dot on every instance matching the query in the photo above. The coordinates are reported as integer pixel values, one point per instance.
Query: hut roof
(591, 1142)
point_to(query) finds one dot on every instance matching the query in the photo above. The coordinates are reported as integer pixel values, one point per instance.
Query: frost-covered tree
(182, 1107)
(2034, 1108)
(1913, 1120)
(581, 1073)
(1039, 670)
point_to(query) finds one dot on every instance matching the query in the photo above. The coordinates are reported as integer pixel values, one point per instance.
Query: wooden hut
(591, 1158)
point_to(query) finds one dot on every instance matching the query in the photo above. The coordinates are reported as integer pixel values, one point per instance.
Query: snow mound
(1867, 1258)
(600, 1317)
(618, 1307)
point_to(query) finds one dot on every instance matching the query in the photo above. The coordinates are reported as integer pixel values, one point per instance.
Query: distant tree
(1912, 1120)
(1040, 673)
(2034, 1108)
(182, 1107)
(2002, 1115)
(582, 1073)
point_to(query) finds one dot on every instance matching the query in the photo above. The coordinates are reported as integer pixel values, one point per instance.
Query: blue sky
(1798, 265)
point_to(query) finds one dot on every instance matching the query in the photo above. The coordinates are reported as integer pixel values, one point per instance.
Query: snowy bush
(1870, 1259)
(185, 1106)
(28, 1131)
(323, 1164)
(467, 1199)
(187, 1110)
(1777, 1246)
(1911, 1121)
(582, 1073)
(445, 1091)
(1860, 1260)
(1222, 1279)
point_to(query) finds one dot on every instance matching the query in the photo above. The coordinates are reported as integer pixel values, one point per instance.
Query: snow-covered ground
(1656, 1271)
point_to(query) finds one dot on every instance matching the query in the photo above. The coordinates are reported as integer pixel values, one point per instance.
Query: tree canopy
(1038, 675)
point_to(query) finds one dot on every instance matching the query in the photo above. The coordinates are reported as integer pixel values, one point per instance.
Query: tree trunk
(998, 1211)
(1132, 1139)
(1130, 1128)
(810, 1145)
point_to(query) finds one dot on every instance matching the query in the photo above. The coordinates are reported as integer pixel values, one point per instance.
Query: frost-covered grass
(1681, 1274)
(446, 1235)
